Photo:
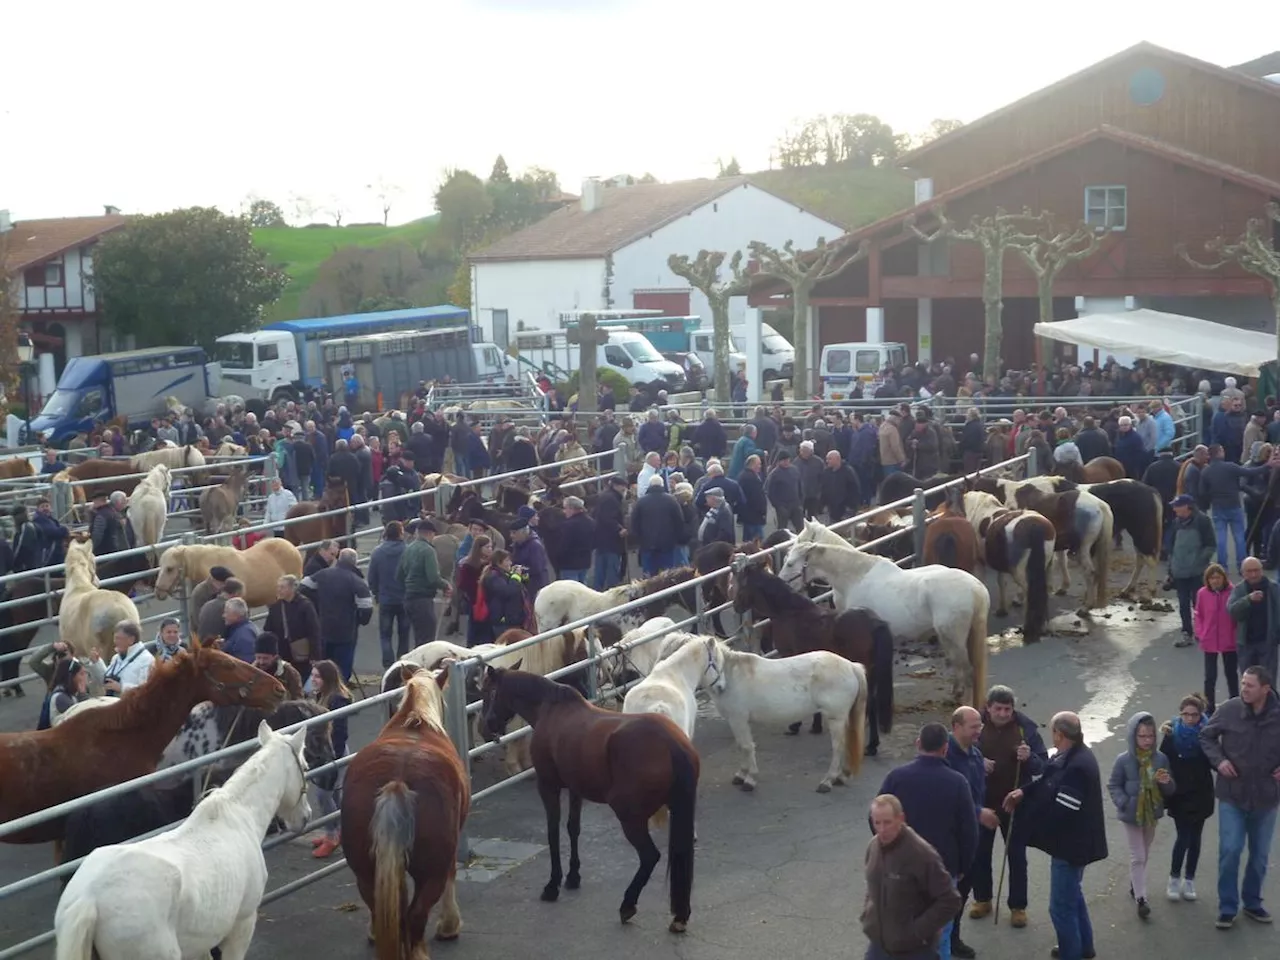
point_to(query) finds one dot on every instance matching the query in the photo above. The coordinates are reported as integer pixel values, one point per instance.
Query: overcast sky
(154, 105)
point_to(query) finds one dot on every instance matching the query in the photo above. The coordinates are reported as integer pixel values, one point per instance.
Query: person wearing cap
(1192, 550)
(717, 525)
(267, 658)
(657, 527)
(609, 539)
(206, 590)
(210, 622)
(530, 554)
(419, 574)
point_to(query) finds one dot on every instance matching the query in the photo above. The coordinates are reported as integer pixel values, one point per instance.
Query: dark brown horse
(899, 486)
(109, 472)
(32, 590)
(638, 764)
(321, 528)
(716, 556)
(800, 626)
(404, 804)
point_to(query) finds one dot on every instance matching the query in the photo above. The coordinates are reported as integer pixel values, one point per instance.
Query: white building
(609, 251)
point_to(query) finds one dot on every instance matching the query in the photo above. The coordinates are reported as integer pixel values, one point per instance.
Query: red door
(672, 303)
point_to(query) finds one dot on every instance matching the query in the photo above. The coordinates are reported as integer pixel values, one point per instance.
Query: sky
(149, 106)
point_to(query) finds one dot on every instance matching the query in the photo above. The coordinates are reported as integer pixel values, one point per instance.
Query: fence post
(700, 610)
(593, 669)
(185, 626)
(63, 499)
(455, 721)
(917, 526)
(1033, 468)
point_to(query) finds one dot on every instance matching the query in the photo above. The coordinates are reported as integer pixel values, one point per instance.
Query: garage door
(673, 303)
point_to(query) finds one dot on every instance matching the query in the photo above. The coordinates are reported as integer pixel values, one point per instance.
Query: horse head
(498, 710)
(227, 681)
(713, 674)
(293, 807)
(80, 563)
(794, 570)
(423, 703)
(173, 567)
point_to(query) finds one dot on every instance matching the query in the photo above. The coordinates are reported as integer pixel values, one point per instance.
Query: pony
(565, 601)
(226, 449)
(669, 688)
(218, 505)
(1097, 470)
(113, 474)
(313, 531)
(171, 457)
(637, 763)
(100, 748)
(902, 486)
(949, 539)
(404, 804)
(884, 535)
(258, 568)
(16, 468)
(88, 614)
(928, 601)
(195, 887)
(746, 687)
(149, 506)
(800, 626)
(641, 649)
(713, 557)
(1016, 544)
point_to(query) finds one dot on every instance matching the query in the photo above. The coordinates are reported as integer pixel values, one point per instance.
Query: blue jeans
(579, 575)
(388, 614)
(752, 531)
(944, 941)
(1235, 828)
(653, 562)
(1229, 519)
(608, 569)
(344, 657)
(1068, 910)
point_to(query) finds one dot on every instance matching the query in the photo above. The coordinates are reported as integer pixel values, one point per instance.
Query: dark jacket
(1192, 797)
(710, 440)
(531, 554)
(755, 508)
(1061, 813)
(732, 492)
(241, 641)
(383, 563)
(656, 521)
(910, 896)
(504, 596)
(1092, 443)
(652, 436)
(1194, 545)
(338, 726)
(610, 523)
(717, 527)
(841, 491)
(939, 805)
(345, 603)
(766, 433)
(968, 763)
(783, 487)
(811, 471)
(27, 547)
(1163, 476)
(1220, 482)
(294, 620)
(1239, 605)
(1130, 452)
(107, 532)
(576, 539)
(973, 436)
(1251, 741)
(343, 464)
(1001, 779)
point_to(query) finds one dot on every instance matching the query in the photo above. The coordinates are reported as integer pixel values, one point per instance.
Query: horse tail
(882, 674)
(75, 928)
(681, 801)
(948, 553)
(855, 733)
(1037, 587)
(1102, 557)
(392, 830)
(978, 642)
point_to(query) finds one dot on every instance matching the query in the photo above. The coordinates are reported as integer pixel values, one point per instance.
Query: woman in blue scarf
(1191, 803)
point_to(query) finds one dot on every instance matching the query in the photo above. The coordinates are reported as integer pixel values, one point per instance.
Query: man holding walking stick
(1014, 754)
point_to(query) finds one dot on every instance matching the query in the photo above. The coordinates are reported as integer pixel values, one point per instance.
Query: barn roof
(33, 241)
(1263, 66)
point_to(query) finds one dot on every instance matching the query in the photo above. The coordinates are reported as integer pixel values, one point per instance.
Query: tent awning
(1168, 338)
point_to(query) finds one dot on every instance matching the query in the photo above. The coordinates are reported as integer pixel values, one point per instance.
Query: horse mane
(420, 708)
(667, 578)
(778, 594)
(136, 704)
(535, 686)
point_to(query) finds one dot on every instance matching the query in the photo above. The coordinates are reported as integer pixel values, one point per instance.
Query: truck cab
(636, 359)
(259, 365)
(845, 364)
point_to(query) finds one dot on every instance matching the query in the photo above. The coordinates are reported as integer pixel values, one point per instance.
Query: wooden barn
(1151, 147)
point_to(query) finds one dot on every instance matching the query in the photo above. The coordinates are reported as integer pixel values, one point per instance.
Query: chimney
(111, 211)
(592, 194)
(6, 224)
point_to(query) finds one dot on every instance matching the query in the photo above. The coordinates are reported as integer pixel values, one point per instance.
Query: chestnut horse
(99, 748)
(640, 764)
(949, 538)
(321, 528)
(404, 804)
(801, 626)
(1097, 470)
(110, 472)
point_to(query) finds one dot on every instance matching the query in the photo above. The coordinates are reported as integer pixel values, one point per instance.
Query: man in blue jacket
(1220, 486)
(965, 758)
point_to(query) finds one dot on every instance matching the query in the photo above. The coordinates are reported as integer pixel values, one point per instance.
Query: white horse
(927, 601)
(1017, 545)
(638, 653)
(88, 614)
(566, 601)
(172, 457)
(149, 505)
(746, 687)
(193, 888)
(669, 687)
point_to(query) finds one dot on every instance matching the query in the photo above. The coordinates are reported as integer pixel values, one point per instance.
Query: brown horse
(99, 748)
(321, 528)
(218, 505)
(404, 803)
(1097, 470)
(800, 626)
(949, 539)
(636, 763)
(16, 468)
(1017, 544)
(112, 473)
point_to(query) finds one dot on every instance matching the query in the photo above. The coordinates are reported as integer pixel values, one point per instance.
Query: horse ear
(517, 664)
(298, 739)
(407, 672)
(264, 733)
(442, 675)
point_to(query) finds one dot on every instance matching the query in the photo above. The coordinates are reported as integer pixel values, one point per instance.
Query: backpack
(480, 609)
(45, 721)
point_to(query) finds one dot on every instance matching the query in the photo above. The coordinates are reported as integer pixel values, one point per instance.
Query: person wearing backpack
(500, 598)
(471, 600)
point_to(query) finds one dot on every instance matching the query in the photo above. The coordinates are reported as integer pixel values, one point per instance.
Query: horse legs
(235, 945)
(836, 771)
(1061, 559)
(814, 727)
(574, 879)
(1002, 608)
(873, 724)
(636, 830)
(550, 794)
(746, 775)
(450, 923)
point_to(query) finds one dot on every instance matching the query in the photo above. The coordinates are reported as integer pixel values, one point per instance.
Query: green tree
(730, 169)
(459, 292)
(354, 275)
(500, 173)
(383, 301)
(703, 274)
(841, 140)
(465, 205)
(264, 213)
(188, 275)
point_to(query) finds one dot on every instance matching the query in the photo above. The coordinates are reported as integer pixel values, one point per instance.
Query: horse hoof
(738, 780)
(550, 893)
(1002, 612)
(839, 781)
(793, 730)
(748, 785)
(870, 751)
(626, 912)
(447, 935)
(1015, 603)
(816, 728)
(824, 786)
(1060, 592)
(572, 882)
(678, 926)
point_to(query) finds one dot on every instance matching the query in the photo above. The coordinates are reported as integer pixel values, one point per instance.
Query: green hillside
(299, 251)
(852, 198)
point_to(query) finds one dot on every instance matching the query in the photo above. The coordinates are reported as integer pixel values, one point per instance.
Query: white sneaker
(1188, 889)
(1175, 889)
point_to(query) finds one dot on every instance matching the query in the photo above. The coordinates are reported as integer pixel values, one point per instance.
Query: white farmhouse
(609, 251)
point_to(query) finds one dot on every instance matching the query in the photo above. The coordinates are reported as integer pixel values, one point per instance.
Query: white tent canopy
(1168, 338)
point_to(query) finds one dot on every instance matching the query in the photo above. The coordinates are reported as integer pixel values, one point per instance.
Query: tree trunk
(801, 377)
(1275, 304)
(587, 352)
(992, 290)
(1044, 348)
(720, 338)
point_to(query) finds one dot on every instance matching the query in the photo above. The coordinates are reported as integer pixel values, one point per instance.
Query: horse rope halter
(713, 667)
(802, 576)
(242, 690)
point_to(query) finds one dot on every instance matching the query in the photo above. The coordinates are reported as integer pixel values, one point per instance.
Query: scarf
(1187, 738)
(1149, 799)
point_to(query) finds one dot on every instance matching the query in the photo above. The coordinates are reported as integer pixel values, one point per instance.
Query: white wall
(728, 223)
(534, 291)
(74, 294)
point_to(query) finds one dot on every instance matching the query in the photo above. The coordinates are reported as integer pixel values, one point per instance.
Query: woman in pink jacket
(1216, 633)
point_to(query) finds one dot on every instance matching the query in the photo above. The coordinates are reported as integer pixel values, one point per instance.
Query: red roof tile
(33, 241)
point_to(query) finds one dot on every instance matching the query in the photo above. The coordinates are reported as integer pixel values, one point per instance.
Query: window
(268, 351)
(1106, 208)
(838, 361)
(616, 357)
(869, 361)
(90, 403)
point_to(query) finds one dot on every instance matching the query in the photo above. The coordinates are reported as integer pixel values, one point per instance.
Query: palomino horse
(88, 615)
(196, 887)
(16, 468)
(1097, 470)
(333, 527)
(259, 568)
(149, 506)
(928, 601)
(565, 601)
(1017, 544)
(104, 747)
(171, 457)
(638, 764)
(219, 505)
(800, 626)
(949, 539)
(746, 687)
(404, 804)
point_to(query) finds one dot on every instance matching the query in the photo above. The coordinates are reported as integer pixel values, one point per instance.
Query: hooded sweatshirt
(1126, 783)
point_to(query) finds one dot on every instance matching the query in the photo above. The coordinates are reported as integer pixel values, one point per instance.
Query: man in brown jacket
(910, 896)
(893, 456)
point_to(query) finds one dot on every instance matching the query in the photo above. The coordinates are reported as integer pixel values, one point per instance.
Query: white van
(777, 356)
(844, 364)
(629, 354)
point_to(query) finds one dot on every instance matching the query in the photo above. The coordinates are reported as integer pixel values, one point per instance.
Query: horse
(113, 474)
(928, 601)
(404, 804)
(800, 626)
(884, 535)
(713, 557)
(902, 486)
(746, 687)
(1097, 470)
(641, 649)
(1082, 525)
(16, 468)
(219, 505)
(637, 763)
(149, 506)
(195, 887)
(226, 449)
(332, 527)
(171, 457)
(1017, 544)
(259, 568)
(88, 614)
(100, 748)
(949, 539)
(565, 601)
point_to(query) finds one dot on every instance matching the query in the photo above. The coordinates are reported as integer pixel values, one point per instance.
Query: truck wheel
(256, 406)
(285, 394)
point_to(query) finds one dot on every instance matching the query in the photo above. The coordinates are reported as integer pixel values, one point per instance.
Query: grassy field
(300, 251)
(852, 198)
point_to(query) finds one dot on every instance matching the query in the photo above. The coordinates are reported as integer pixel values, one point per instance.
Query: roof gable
(33, 241)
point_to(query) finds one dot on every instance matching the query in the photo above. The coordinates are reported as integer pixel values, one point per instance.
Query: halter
(802, 576)
(302, 772)
(242, 690)
(711, 666)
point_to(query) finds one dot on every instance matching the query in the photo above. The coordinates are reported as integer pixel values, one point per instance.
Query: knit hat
(526, 512)
(520, 523)
(267, 642)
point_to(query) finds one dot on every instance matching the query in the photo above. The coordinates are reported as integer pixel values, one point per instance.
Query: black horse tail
(680, 837)
(882, 675)
(1037, 587)
(948, 556)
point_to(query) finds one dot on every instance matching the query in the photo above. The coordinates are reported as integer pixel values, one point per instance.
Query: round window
(1146, 86)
